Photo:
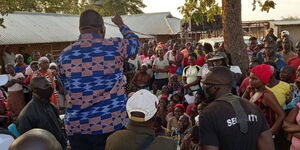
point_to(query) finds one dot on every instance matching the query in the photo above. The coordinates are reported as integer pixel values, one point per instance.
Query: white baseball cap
(285, 32)
(142, 101)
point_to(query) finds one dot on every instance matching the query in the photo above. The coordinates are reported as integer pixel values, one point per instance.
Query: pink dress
(295, 141)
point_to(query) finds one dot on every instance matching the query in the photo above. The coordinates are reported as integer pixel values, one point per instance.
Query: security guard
(230, 122)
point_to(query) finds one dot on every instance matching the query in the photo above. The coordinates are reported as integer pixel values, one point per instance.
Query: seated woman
(264, 98)
(173, 123)
(174, 85)
(142, 78)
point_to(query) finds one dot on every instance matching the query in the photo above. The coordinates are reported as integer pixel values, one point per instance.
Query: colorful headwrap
(263, 72)
(180, 106)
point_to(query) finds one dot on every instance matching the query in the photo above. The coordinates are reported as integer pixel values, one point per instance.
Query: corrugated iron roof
(26, 28)
(152, 23)
(285, 22)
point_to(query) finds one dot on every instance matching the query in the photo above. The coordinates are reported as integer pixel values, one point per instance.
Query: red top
(189, 109)
(185, 53)
(267, 111)
(294, 62)
(200, 61)
(244, 84)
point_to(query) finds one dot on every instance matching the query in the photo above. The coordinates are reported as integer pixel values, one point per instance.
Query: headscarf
(180, 106)
(263, 72)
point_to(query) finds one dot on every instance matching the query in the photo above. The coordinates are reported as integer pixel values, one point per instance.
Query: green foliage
(70, 7)
(264, 6)
(197, 9)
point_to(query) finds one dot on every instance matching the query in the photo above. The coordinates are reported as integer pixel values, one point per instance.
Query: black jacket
(43, 115)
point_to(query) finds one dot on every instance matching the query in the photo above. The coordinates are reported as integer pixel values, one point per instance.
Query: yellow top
(282, 92)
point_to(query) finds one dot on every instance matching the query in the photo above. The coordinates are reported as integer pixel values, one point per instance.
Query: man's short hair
(223, 74)
(35, 82)
(271, 64)
(34, 63)
(9, 65)
(90, 18)
(252, 38)
(270, 42)
(193, 55)
(290, 69)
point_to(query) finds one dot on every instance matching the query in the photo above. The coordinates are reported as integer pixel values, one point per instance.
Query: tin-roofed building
(293, 26)
(50, 33)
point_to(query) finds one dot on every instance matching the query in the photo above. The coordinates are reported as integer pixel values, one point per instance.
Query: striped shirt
(91, 71)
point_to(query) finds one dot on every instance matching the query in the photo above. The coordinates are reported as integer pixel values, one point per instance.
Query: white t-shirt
(192, 73)
(9, 58)
(5, 141)
(161, 65)
(28, 71)
(205, 70)
(17, 86)
(136, 62)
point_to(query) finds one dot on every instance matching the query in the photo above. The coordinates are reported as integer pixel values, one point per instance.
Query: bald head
(220, 75)
(91, 21)
(36, 139)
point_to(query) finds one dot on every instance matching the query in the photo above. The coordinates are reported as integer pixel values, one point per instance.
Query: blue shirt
(279, 63)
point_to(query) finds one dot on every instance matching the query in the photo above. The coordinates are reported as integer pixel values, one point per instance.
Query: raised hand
(117, 20)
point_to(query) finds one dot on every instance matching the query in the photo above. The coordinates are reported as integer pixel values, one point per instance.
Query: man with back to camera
(36, 139)
(229, 122)
(41, 113)
(139, 134)
(91, 71)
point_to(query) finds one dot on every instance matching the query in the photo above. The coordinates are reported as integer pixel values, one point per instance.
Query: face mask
(207, 96)
(45, 93)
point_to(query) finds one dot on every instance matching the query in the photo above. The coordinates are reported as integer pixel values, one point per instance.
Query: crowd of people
(119, 93)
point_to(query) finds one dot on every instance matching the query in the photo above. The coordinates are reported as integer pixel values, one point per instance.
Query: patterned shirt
(91, 71)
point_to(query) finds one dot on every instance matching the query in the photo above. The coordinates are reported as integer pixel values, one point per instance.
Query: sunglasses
(211, 84)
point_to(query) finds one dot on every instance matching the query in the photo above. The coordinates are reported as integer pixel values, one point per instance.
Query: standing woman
(20, 65)
(14, 86)
(263, 98)
(292, 126)
(44, 71)
(160, 69)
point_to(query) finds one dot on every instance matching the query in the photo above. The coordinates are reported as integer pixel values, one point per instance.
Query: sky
(283, 8)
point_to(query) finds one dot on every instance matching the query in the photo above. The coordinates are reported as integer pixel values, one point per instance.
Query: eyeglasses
(211, 84)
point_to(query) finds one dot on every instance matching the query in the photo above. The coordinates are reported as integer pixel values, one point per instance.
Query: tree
(108, 8)
(196, 9)
(233, 32)
(231, 21)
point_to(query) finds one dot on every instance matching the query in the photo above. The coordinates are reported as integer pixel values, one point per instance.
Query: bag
(240, 113)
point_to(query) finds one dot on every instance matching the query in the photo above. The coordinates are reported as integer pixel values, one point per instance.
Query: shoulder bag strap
(241, 115)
